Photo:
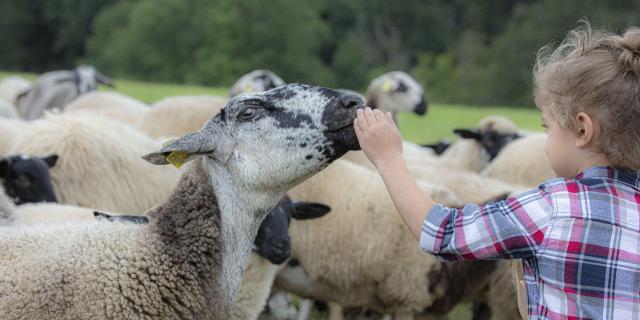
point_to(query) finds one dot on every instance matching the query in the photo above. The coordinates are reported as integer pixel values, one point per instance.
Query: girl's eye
(248, 113)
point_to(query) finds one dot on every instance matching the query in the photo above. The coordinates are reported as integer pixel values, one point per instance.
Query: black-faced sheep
(26, 179)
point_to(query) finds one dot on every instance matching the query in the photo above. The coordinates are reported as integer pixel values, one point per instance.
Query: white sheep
(255, 81)
(7, 110)
(365, 256)
(11, 87)
(109, 104)
(10, 131)
(54, 90)
(188, 262)
(522, 162)
(98, 165)
(175, 116)
(362, 255)
(395, 92)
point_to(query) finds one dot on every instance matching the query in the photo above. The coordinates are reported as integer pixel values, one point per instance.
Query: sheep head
(273, 139)
(396, 91)
(256, 81)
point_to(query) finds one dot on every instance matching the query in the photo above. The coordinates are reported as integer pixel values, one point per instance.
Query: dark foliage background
(463, 51)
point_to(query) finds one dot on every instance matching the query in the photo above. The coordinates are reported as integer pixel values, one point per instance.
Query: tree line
(463, 51)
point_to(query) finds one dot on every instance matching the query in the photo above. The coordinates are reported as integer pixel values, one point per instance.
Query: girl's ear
(587, 129)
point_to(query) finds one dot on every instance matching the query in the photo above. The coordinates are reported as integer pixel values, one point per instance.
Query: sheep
(10, 130)
(98, 165)
(110, 104)
(362, 255)
(54, 90)
(7, 110)
(175, 116)
(361, 206)
(97, 141)
(26, 179)
(11, 87)
(522, 162)
(255, 81)
(396, 91)
(493, 134)
(188, 261)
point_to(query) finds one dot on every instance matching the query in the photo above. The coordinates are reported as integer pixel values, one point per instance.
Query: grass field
(440, 120)
(437, 124)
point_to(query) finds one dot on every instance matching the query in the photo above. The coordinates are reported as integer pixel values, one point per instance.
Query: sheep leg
(335, 311)
(304, 309)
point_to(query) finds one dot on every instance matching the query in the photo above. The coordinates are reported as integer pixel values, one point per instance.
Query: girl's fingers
(362, 120)
(368, 114)
(389, 118)
(379, 116)
(356, 127)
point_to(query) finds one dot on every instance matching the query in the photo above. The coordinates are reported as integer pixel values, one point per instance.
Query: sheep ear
(309, 210)
(180, 151)
(468, 134)
(101, 78)
(51, 160)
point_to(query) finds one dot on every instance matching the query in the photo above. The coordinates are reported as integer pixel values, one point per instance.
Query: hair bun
(629, 58)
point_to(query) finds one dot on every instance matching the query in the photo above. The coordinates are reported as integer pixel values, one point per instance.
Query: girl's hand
(378, 135)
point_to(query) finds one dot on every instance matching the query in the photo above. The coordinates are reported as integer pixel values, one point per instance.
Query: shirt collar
(596, 172)
(629, 177)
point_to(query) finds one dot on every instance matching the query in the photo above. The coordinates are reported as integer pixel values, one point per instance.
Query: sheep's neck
(189, 227)
(211, 221)
(241, 210)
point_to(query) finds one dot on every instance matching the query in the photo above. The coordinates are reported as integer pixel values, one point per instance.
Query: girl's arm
(381, 142)
(513, 228)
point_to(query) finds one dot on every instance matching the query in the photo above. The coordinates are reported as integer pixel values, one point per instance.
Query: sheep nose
(421, 107)
(281, 247)
(351, 101)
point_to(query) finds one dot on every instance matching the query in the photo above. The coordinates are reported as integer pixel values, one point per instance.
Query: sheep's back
(99, 164)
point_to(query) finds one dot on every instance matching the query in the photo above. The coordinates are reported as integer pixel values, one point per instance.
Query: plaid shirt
(579, 240)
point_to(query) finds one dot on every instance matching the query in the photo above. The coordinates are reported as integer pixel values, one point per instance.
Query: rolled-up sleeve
(513, 228)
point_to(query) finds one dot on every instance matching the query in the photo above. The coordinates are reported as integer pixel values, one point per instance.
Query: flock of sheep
(91, 230)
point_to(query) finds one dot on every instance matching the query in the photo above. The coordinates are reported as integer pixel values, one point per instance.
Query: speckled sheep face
(396, 91)
(288, 133)
(275, 139)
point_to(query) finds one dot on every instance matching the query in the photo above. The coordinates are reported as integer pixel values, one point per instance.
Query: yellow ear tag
(386, 85)
(248, 88)
(177, 158)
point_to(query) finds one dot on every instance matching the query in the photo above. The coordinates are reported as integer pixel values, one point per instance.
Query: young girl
(578, 235)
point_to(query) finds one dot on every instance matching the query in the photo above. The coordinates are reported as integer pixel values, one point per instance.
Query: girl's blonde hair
(598, 73)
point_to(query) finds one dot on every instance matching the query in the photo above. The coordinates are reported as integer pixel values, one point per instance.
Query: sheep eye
(402, 87)
(248, 113)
